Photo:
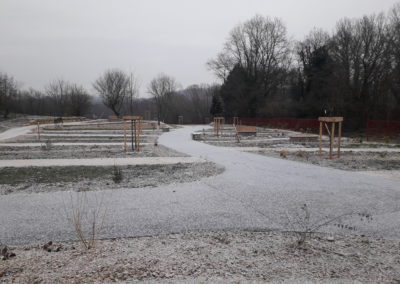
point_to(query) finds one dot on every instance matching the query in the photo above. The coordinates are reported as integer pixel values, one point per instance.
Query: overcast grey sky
(76, 40)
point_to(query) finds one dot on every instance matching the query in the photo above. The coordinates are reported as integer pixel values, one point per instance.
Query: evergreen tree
(217, 108)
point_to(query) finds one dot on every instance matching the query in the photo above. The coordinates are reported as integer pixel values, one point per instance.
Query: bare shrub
(47, 146)
(5, 253)
(383, 154)
(87, 216)
(302, 154)
(283, 154)
(117, 176)
(304, 227)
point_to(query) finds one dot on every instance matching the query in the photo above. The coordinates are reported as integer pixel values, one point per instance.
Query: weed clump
(117, 176)
(283, 154)
(48, 145)
(386, 139)
(302, 154)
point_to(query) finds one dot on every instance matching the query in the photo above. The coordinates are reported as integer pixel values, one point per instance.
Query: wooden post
(140, 132)
(320, 138)
(136, 130)
(222, 124)
(339, 138)
(132, 147)
(136, 133)
(124, 125)
(38, 130)
(325, 121)
(332, 142)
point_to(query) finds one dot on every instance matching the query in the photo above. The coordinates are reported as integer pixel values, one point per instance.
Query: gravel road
(254, 192)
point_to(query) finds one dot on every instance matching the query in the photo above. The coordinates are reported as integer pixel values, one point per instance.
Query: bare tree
(394, 22)
(222, 65)
(361, 50)
(132, 93)
(58, 92)
(200, 97)
(8, 93)
(113, 87)
(259, 46)
(162, 88)
(78, 100)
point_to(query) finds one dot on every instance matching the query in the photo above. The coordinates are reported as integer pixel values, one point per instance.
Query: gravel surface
(254, 192)
(217, 257)
(6, 124)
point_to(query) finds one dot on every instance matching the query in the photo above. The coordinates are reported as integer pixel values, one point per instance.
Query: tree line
(353, 72)
(60, 98)
(117, 93)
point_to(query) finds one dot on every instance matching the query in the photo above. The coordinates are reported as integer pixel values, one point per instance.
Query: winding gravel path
(14, 132)
(255, 192)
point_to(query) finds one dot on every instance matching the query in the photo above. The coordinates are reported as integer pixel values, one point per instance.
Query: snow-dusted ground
(67, 144)
(14, 132)
(24, 130)
(99, 162)
(308, 149)
(209, 257)
(73, 134)
(255, 192)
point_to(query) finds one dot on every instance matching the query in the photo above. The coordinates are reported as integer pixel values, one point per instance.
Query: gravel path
(98, 162)
(14, 132)
(255, 192)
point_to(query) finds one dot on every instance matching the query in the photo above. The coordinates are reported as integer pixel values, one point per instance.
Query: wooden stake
(320, 138)
(124, 125)
(140, 132)
(38, 130)
(339, 138)
(332, 141)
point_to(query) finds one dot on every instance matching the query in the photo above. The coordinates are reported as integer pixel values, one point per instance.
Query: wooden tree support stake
(38, 130)
(136, 131)
(218, 122)
(330, 121)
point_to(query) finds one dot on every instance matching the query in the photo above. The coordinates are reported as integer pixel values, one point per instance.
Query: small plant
(87, 216)
(48, 145)
(5, 253)
(383, 154)
(302, 154)
(303, 227)
(386, 139)
(117, 176)
(283, 154)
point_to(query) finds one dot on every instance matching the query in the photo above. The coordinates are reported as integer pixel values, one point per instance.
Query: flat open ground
(372, 157)
(81, 156)
(254, 193)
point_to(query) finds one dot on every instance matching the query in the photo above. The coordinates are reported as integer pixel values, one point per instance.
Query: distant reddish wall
(382, 128)
(297, 124)
(374, 128)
